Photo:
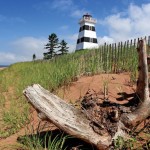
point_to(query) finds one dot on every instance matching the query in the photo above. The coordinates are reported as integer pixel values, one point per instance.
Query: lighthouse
(87, 33)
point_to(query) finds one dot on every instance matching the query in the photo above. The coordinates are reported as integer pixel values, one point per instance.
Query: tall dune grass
(50, 74)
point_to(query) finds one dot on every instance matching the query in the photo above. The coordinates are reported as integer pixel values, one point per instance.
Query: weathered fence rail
(113, 58)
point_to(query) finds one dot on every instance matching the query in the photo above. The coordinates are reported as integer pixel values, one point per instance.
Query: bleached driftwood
(64, 116)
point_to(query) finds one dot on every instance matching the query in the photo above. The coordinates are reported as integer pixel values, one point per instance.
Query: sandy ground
(1, 68)
(116, 83)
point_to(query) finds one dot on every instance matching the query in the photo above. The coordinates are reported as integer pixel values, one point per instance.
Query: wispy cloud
(129, 24)
(17, 19)
(2, 18)
(67, 6)
(62, 4)
(11, 19)
(78, 12)
(9, 58)
(23, 48)
(105, 39)
(43, 6)
(64, 27)
(29, 45)
(6, 57)
(72, 37)
(71, 40)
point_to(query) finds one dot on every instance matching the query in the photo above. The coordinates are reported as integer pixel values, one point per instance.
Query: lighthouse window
(94, 40)
(86, 27)
(86, 39)
(83, 28)
(90, 28)
(91, 40)
(93, 28)
(82, 39)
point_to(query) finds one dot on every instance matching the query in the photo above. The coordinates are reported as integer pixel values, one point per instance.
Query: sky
(26, 24)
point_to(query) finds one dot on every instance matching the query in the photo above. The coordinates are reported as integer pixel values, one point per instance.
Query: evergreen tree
(63, 47)
(50, 46)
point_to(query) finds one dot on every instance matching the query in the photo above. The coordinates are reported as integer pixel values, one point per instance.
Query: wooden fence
(120, 56)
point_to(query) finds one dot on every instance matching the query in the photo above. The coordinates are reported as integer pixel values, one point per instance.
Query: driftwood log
(73, 121)
(64, 116)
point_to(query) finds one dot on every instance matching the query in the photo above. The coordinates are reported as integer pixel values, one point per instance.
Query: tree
(63, 47)
(77, 123)
(50, 46)
(34, 57)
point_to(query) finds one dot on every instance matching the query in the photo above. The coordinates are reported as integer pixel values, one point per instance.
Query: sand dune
(1, 68)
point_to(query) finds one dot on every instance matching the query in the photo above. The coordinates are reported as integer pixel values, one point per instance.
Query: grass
(46, 142)
(51, 74)
(131, 144)
(36, 140)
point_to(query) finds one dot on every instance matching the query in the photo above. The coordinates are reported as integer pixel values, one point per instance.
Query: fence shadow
(124, 95)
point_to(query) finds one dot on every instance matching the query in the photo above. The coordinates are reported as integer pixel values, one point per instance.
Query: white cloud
(78, 13)
(62, 4)
(72, 37)
(30, 45)
(22, 50)
(9, 58)
(68, 6)
(28, 42)
(105, 39)
(6, 58)
(129, 24)
(71, 40)
(72, 47)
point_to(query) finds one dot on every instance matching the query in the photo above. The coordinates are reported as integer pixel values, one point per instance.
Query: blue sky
(26, 24)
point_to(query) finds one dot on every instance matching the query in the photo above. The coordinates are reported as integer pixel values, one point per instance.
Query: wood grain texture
(64, 116)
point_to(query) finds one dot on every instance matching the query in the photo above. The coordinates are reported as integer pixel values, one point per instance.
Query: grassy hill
(51, 74)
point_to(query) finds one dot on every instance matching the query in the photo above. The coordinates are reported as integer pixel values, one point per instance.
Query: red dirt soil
(117, 83)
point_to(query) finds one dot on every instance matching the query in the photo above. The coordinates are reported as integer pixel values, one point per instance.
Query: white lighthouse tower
(87, 34)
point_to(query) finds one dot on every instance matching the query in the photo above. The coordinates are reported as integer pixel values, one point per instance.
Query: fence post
(121, 56)
(115, 58)
(105, 56)
(112, 59)
(110, 53)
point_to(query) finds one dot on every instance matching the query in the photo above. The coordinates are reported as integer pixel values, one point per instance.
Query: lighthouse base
(86, 45)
